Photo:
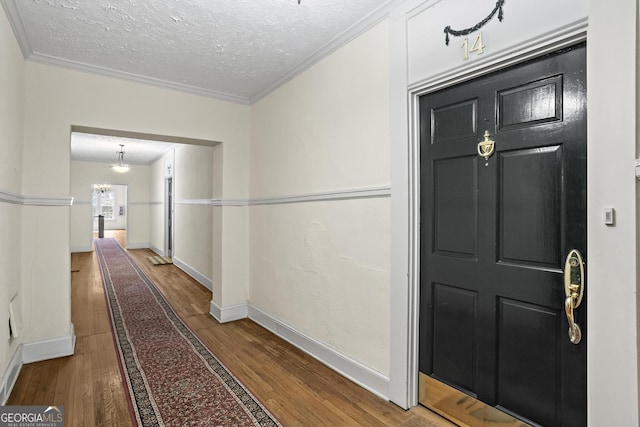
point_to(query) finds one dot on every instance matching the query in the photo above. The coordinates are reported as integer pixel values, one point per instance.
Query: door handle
(574, 291)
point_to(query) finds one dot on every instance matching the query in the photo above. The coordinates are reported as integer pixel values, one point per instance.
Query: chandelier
(121, 166)
(102, 188)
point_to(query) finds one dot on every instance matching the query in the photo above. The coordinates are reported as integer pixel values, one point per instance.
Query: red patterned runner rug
(172, 378)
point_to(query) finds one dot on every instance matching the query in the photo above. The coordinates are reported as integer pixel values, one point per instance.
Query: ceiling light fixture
(120, 167)
(102, 188)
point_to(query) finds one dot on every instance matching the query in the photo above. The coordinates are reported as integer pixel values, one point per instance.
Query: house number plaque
(477, 46)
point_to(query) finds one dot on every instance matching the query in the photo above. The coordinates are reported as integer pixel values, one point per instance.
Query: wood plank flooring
(294, 387)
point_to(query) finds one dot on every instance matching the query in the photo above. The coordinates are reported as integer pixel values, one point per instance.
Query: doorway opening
(109, 208)
(502, 205)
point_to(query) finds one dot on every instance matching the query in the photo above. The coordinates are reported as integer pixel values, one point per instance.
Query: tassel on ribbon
(448, 30)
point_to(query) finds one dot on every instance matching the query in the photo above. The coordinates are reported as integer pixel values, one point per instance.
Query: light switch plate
(609, 216)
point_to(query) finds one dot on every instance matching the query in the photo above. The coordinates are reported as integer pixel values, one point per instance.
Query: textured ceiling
(231, 49)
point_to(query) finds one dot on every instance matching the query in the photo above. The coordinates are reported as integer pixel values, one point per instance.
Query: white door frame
(126, 208)
(168, 216)
(405, 176)
(612, 264)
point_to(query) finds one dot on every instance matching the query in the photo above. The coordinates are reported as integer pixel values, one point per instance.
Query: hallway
(294, 387)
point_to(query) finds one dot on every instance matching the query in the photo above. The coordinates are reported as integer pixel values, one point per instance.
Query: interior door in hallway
(168, 218)
(496, 229)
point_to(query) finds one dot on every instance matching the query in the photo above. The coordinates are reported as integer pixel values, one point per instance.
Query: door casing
(168, 216)
(485, 93)
(413, 211)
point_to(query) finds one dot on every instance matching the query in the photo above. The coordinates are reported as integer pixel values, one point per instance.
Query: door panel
(454, 320)
(454, 122)
(528, 336)
(455, 206)
(530, 104)
(529, 201)
(495, 234)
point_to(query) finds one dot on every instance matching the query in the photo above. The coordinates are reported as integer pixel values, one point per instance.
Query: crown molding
(366, 23)
(334, 44)
(17, 24)
(18, 27)
(108, 72)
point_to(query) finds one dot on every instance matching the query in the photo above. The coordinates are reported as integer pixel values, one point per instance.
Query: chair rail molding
(31, 200)
(331, 195)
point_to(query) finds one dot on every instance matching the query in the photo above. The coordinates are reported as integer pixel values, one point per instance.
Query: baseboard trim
(228, 314)
(143, 245)
(10, 376)
(156, 250)
(75, 249)
(360, 374)
(199, 277)
(37, 351)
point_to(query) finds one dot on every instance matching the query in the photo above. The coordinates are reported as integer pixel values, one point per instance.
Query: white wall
(194, 246)
(11, 134)
(612, 260)
(193, 220)
(83, 176)
(57, 99)
(157, 203)
(322, 267)
(216, 228)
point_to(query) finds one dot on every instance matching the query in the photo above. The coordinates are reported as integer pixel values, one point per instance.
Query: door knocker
(486, 147)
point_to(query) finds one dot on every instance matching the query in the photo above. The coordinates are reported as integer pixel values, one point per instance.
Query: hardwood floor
(294, 387)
